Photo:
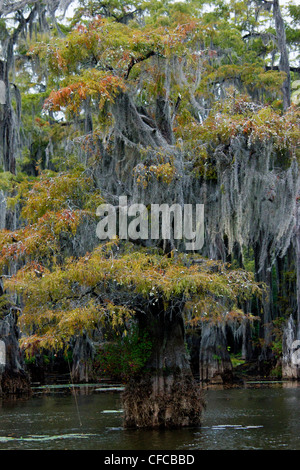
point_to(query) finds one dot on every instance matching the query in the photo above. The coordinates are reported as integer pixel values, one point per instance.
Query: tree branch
(9, 6)
(275, 67)
(137, 60)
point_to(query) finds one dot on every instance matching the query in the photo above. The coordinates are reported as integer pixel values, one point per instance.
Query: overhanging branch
(10, 6)
(136, 60)
(292, 69)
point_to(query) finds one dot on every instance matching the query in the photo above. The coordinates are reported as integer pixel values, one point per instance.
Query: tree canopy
(182, 100)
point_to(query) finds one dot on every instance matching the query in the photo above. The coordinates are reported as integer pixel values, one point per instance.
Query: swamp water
(257, 416)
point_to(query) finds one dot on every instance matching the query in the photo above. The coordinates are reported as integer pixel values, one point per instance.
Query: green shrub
(124, 357)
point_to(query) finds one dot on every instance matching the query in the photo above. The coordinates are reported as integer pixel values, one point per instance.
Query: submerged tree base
(162, 401)
(14, 383)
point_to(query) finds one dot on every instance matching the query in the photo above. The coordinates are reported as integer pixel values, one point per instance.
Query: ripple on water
(112, 411)
(40, 438)
(235, 426)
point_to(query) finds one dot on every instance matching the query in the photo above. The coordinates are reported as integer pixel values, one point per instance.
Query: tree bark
(290, 367)
(13, 378)
(166, 395)
(7, 122)
(297, 245)
(83, 353)
(163, 119)
(214, 359)
(284, 65)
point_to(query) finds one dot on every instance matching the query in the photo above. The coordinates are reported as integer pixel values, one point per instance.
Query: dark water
(266, 417)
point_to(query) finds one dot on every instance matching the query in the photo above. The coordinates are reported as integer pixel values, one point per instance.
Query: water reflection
(254, 417)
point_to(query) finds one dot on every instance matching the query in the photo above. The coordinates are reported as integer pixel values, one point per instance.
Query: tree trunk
(290, 352)
(166, 395)
(13, 378)
(163, 119)
(297, 245)
(284, 65)
(214, 359)
(83, 353)
(7, 122)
